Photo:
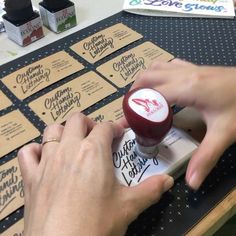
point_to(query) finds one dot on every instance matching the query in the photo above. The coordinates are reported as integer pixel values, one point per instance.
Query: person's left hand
(70, 185)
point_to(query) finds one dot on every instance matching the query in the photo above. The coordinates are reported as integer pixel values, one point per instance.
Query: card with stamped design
(39, 75)
(5, 101)
(15, 131)
(15, 230)
(105, 42)
(123, 69)
(175, 150)
(110, 112)
(11, 186)
(75, 95)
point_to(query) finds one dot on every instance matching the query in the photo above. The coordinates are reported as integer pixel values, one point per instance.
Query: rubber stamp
(152, 145)
(150, 117)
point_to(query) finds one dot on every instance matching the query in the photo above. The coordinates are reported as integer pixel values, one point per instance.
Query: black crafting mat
(202, 41)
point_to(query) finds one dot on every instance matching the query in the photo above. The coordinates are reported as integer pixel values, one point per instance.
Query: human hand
(211, 90)
(70, 185)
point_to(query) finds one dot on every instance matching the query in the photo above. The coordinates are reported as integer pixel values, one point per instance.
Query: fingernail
(194, 182)
(169, 182)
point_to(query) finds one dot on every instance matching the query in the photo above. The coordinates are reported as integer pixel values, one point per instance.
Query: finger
(123, 122)
(51, 139)
(144, 79)
(173, 64)
(205, 158)
(99, 144)
(178, 62)
(147, 193)
(176, 94)
(29, 158)
(172, 94)
(105, 133)
(76, 129)
(150, 79)
(160, 65)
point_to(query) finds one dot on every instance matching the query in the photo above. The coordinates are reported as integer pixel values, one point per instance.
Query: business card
(5, 101)
(39, 75)
(123, 69)
(110, 112)
(15, 131)
(75, 95)
(105, 42)
(11, 186)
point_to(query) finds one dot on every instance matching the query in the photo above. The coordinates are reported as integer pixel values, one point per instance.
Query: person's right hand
(212, 91)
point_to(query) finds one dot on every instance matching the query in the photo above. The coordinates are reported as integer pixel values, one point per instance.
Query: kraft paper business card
(105, 42)
(11, 186)
(37, 76)
(110, 112)
(4, 101)
(123, 69)
(15, 131)
(75, 95)
(15, 230)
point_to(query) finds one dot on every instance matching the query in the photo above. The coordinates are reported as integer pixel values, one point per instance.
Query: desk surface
(217, 217)
(87, 14)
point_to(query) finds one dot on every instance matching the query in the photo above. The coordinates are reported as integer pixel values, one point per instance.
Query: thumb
(205, 158)
(147, 193)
